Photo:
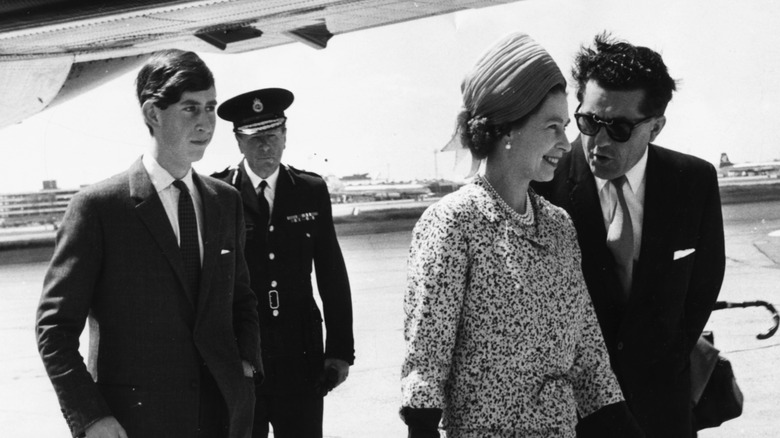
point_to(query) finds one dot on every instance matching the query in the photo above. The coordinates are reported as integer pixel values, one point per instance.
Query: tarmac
(366, 405)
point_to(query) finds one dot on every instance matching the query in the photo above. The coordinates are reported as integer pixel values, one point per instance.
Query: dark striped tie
(188, 236)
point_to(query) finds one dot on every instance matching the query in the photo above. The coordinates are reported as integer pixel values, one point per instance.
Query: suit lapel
(584, 196)
(283, 195)
(660, 212)
(152, 213)
(248, 192)
(211, 244)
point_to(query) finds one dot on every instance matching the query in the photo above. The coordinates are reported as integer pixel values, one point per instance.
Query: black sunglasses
(618, 130)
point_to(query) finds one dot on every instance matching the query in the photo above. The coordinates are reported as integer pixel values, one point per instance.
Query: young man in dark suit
(289, 226)
(650, 228)
(153, 259)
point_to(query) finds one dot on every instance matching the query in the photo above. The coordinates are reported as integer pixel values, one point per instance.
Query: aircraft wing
(51, 50)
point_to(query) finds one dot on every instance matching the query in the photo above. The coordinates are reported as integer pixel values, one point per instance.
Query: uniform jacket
(500, 331)
(117, 264)
(300, 232)
(650, 337)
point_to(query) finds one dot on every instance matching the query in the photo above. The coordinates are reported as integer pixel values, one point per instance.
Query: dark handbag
(716, 397)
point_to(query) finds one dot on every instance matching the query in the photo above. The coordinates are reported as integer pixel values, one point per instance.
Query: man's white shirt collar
(271, 180)
(160, 177)
(635, 175)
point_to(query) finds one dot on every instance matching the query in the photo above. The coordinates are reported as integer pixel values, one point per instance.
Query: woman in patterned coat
(501, 336)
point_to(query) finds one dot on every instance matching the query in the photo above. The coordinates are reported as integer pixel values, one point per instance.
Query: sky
(383, 101)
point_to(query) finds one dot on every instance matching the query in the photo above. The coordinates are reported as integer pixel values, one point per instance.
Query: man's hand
(249, 370)
(333, 374)
(106, 427)
(341, 367)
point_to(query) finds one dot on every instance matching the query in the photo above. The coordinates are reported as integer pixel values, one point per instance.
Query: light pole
(436, 164)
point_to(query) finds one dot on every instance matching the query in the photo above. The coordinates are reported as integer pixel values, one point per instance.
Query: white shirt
(270, 191)
(634, 192)
(169, 195)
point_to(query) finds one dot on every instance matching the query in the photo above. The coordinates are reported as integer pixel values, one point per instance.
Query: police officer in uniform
(289, 225)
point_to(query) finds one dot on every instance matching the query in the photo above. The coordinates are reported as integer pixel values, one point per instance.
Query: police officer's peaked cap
(257, 110)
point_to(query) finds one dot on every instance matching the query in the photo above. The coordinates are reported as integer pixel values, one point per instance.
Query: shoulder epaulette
(221, 174)
(230, 173)
(305, 172)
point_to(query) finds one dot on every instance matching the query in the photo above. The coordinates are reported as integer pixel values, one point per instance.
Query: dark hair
(481, 137)
(620, 66)
(166, 75)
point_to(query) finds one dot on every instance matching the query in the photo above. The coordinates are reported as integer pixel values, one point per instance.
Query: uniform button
(620, 346)
(271, 256)
(273, 283)
(271, 229)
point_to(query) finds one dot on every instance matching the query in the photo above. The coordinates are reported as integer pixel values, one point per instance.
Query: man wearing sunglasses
(649, 226)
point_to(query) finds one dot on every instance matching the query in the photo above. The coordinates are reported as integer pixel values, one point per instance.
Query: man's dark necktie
(265, 209)
(188, 236)
(620, 238)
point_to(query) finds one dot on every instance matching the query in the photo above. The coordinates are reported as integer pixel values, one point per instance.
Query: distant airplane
(381, 192)
(727, 168)
(373, 191)
(53, 50)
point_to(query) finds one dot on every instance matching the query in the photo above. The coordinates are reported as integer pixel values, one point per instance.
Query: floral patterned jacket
(500, 330)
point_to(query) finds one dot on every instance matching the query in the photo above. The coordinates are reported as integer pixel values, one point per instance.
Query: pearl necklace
(526, 218)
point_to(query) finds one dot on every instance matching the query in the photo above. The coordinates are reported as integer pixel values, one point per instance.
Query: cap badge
(257, 106)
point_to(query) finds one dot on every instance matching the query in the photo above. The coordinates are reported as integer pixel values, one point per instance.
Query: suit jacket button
(271, 256)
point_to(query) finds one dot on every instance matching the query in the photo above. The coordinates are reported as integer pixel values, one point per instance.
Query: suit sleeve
(333, 284)
(246, 320)
(709, 264)
(68, 289)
